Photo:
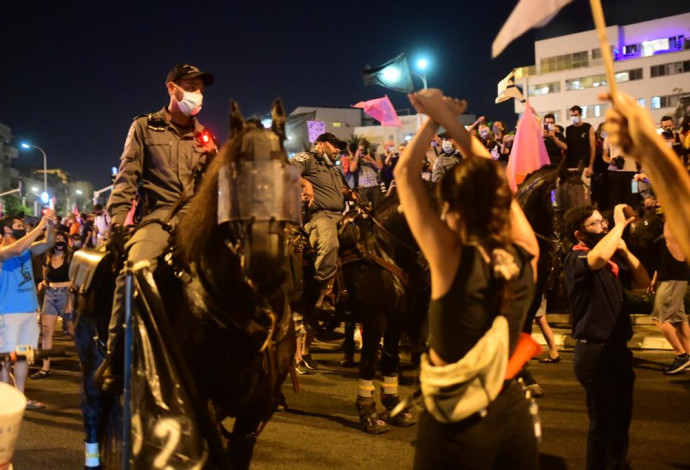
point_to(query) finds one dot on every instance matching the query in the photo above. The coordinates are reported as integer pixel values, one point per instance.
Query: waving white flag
(527, 15)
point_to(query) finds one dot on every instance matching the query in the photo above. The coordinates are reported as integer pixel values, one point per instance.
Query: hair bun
(503, 264)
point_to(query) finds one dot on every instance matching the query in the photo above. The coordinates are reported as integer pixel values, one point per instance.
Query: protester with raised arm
(482, 254)
(18, 301)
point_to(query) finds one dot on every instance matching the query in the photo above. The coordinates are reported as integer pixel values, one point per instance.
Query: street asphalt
(321, 428)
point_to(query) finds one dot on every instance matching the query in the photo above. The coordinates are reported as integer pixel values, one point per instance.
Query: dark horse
(220, 289)
(545, 196)
(387, 287)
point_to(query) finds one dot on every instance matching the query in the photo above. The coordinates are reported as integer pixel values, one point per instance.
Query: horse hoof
(372, 424)
(403, 419)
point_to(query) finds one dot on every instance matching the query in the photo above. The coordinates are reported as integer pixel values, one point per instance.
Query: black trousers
(504, 438)
(605, 370)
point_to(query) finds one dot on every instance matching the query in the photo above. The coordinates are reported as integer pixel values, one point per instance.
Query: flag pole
(600, 23)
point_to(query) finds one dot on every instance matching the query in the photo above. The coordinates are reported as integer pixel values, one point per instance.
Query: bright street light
(79, 191)
(34, 189)
(422, 65)
(24, 145)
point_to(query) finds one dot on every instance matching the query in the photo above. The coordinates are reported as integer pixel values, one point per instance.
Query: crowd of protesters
(496, 244)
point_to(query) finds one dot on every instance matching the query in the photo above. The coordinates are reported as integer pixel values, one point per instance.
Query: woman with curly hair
(482, 254)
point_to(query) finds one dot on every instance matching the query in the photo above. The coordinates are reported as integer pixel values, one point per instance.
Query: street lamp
(24, 145)
(422, 65)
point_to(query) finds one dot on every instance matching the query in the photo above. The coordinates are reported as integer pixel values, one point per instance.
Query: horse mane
(196, 232)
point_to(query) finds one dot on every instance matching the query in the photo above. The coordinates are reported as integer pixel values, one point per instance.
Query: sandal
(34, 405)
(551, 360)
(41, 374)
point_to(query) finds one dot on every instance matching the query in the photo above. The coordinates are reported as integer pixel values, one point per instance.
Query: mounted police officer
(324, 189)
(164, 156)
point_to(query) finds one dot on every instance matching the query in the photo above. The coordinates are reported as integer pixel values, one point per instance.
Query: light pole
(45, 164)
(422, 65)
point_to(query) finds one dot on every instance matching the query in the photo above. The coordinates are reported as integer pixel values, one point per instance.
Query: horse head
(571, 190)
(248, 197)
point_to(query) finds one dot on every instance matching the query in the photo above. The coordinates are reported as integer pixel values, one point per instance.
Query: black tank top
(670, 269)
(577, 138)
(60, 274)
(458, 319)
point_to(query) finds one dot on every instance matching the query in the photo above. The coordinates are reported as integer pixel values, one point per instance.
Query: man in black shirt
(597, 271)
(581, 142)
(554, 140)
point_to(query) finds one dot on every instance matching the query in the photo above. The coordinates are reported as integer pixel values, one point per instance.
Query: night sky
(75, 73)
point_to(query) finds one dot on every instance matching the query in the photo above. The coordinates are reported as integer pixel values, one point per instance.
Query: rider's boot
(366, 408)
(109, 377)
(390, 399)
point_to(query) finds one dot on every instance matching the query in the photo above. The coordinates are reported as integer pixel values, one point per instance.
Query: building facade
(651, 63)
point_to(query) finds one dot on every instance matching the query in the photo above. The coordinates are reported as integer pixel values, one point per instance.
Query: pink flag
(75, 209)
(529, 152)
(382, 110)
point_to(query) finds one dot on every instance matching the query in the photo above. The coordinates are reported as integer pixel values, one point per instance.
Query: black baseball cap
(187, 72)
(331, 139)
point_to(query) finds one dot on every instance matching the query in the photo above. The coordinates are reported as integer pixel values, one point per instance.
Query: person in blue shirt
(18, 301)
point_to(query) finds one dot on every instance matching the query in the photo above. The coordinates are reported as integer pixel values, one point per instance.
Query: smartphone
(546, 127)
(635, 187)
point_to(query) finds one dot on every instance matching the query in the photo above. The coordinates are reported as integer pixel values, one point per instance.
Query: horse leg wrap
(389, 387)
(365, 389)
(92, 455)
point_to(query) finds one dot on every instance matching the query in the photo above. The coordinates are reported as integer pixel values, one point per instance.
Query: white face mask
(447, 146)
(190, 105)
(575, 119)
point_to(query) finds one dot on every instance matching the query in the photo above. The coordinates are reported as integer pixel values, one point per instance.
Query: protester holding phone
(554, 140)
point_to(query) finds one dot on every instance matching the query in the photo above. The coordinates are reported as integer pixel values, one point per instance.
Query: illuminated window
(594, 110)
(594, 81)
(337, 124)
(670, 68)
(668, 101)
(544, 88)
(641, 102)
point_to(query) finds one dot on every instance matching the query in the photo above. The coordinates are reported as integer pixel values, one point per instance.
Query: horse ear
(562, 170)
(236, 119)
(278, 116)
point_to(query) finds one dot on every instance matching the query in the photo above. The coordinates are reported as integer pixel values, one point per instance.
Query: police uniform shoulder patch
(155, 122)
(302, 157)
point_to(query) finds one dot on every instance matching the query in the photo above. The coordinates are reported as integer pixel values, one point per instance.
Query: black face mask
(18, 233)
(591, 239)
(60, 245)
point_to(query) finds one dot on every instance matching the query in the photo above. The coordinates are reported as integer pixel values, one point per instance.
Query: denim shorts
(55, 300)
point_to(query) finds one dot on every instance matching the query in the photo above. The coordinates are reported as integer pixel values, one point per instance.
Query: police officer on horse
(165, 154)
